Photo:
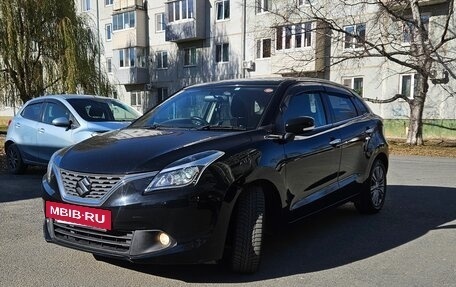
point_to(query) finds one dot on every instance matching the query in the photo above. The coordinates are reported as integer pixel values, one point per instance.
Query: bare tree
(399, 32)
(46, 47)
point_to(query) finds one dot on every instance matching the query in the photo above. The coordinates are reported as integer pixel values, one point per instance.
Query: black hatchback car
(203, 175)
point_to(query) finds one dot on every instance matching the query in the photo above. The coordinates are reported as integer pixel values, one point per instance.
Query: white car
(45, 124)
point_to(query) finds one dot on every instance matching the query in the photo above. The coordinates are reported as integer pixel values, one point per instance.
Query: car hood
(142, 150)
(105, 126)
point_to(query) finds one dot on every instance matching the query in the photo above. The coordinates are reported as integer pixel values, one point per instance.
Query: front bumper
(195, 219)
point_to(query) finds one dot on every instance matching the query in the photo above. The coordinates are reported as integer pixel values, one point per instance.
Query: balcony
(132, 76)
(184, 31)
(125, 4)
(129, 36)
(186, 20)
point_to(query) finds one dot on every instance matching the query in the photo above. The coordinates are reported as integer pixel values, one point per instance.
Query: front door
(312, 159)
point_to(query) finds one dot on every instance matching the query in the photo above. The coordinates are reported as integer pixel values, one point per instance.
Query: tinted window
(342, 106)
(32, 112)
(230, 106)
(306, 104)
(53, 111)
(362, 108)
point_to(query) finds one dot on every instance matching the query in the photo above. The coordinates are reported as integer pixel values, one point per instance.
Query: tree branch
(390, 100)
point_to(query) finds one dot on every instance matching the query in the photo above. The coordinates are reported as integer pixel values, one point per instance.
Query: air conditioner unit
(248, 65)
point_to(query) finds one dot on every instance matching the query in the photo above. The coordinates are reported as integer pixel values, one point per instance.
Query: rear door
(312, 159)
(50, 138)
(353, 129)
(25, 131)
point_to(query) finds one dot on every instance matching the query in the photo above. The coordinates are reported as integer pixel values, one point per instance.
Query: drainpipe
(244, 32)
(99, 45)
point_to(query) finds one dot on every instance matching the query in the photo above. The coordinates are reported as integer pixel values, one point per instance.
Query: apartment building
(154, 48)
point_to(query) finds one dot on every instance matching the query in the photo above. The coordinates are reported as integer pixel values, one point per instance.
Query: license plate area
(79, 215)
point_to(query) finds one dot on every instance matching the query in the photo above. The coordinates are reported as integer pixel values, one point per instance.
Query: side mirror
(61, 122)
(299, 125)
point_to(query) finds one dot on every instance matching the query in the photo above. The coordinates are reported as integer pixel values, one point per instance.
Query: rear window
(32, 112)
(101, 110)
(343, 107)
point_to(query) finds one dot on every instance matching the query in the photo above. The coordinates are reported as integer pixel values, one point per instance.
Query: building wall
(243, 29)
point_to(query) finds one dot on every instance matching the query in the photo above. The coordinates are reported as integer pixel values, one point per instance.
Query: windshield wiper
(154, 127)
(216, 127)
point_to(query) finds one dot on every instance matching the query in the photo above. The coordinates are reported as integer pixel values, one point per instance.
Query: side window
(342, 107)
(362, 108)
(32, 112)
(53, 111)
(306, 104)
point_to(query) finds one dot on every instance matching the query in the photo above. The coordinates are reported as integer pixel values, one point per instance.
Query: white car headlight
(185, 171)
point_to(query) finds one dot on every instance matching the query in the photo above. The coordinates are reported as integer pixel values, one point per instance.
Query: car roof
(67, 97)
(268, 81)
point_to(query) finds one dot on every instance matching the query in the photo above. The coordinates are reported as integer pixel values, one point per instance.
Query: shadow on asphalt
(333, 239)
(23, 186)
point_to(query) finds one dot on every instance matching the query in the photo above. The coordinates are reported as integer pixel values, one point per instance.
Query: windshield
(230, 107)
(103, 110)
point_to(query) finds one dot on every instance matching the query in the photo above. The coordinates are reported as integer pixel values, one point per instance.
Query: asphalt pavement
(411, 242)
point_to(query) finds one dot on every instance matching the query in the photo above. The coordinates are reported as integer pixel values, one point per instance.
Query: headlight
(50, 169)
(55, 160)
(185, 171)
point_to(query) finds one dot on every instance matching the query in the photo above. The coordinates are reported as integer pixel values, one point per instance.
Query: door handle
(369, 131)
(335, 142)
(41, 130)
(18, 125)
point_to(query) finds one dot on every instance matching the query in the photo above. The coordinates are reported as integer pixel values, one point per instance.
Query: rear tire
(248, 230)
(372, 197)
(14, 160)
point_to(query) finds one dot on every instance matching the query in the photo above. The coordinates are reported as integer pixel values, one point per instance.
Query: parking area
(410, 243)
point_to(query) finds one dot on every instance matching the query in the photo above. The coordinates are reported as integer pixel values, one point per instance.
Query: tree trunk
(415, 129)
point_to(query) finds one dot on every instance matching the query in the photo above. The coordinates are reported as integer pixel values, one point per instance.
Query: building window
(222, 53)
(263, 48)
(124, 20)
(304, 2)
(190, 56)
(161, 57)
(355, 35)
(109, 2)
(136, 98)
(162, 94)
(263, 6)
(223, 9)
(355, 83)
(160, 23)
(132, 57)
(180, 10)
(108, 29)
(408, 85)
(409, 32)
(121, 58)
(86, 5)
(294, 36)
(109, 65)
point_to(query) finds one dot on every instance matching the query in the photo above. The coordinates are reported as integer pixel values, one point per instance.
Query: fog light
(164, 238)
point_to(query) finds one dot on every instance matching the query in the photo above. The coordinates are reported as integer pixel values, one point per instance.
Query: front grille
(100, 184)
(93, 239)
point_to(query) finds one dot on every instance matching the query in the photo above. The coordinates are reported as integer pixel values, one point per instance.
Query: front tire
(14, 160)
(248, 231)
(372, 197)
